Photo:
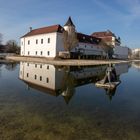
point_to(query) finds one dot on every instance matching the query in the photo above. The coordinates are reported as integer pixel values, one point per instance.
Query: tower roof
(69, 22)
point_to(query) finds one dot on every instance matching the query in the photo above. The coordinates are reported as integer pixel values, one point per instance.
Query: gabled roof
(69, 22)
(44, 30)
(103, 34)
(87, 39)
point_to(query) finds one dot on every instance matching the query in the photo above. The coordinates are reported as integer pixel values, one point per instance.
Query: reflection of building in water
(42, 77)
(136, 65)
(55, 81)
(62, 81)
(85, 75)
(121, 68)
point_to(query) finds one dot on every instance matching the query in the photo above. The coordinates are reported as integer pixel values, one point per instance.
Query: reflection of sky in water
(89, 115)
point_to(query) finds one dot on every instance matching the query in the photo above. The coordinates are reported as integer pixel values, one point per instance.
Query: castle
(53, 40)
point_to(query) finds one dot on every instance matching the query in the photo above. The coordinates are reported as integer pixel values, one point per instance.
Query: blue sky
(120, 16)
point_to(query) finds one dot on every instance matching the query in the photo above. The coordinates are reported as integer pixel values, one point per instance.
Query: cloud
(126, 11)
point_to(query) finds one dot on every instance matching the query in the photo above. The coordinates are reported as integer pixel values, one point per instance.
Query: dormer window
(62, 29)
(83, 37)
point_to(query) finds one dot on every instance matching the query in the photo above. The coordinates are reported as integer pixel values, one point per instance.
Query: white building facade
(120, 52)
(37, 43)
(136, 53)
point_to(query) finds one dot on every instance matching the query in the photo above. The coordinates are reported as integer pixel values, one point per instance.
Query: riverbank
(70, 62)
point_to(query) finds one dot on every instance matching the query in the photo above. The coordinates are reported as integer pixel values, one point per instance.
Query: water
(44, 102)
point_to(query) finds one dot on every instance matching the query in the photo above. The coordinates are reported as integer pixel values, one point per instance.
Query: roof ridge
(43, 30)
(47, 26)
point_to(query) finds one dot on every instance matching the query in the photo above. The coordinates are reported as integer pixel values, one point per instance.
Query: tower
(69, 26)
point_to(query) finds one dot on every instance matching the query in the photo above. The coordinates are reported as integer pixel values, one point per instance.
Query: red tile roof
(87, 39)
(103, 34)
(44, 30)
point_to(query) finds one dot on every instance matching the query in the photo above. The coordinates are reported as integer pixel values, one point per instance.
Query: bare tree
(70, 40)
(12, 46)
(107, 48)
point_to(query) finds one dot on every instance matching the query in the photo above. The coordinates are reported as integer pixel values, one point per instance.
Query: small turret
(69, 22)
(69, 26)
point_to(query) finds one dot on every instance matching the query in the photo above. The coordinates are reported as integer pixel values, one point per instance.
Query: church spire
(69, 22)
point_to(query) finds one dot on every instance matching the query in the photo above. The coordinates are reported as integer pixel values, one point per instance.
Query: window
(27, 64)
(28, 42)
(47, 67)
(48, 52)
(47, 80)
(36, 41)
(40, 78)
(22, 43)
(28, 53)
(40, 66)
(41, 52)
(36, 52)
(41, 41)
(35, 65)
(27, 74)
(35, 76)
(48, 40)
(85, 46)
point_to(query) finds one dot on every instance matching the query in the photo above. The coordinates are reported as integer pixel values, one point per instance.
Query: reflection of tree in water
(10, 66)
(68, 86)
(0, 68)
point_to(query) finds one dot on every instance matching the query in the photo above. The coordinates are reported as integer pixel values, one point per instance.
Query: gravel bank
(70, 62)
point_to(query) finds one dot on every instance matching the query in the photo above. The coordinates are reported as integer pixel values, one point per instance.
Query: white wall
(41, 70)
(47, 49)
(120, 52)
(88, 49)
(59, 44)
(134, 51)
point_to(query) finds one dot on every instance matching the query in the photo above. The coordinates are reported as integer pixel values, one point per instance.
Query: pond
(46, 102)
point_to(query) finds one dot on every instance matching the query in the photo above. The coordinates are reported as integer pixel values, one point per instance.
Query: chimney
(30, 29)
